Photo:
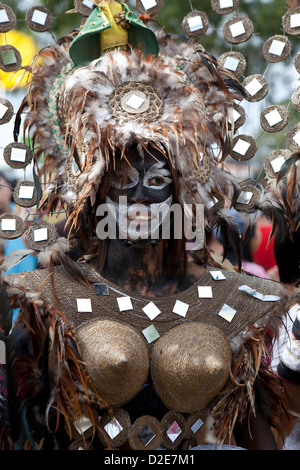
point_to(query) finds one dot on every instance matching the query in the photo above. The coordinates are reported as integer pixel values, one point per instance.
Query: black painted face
(147, 181)
(146, 187)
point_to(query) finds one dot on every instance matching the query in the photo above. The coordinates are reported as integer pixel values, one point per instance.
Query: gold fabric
(116, 35)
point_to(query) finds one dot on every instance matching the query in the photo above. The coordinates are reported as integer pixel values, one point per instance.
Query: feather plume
(12, 401)
(14, 258)
(251, 381)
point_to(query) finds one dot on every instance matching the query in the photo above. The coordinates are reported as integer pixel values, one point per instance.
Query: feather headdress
(78, 119)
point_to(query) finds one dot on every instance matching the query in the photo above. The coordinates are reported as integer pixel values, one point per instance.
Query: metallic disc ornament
(136, 101)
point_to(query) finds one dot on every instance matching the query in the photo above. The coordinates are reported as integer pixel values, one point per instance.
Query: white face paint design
(138, 221)
(132, 179)
(157, 177)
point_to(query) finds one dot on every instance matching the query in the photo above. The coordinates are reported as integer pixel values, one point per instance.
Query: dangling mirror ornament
(293, 138)
(238, 29)
(195, 24)
(247, 199)
(102, 3)
(173, 426)
(116, 427)
(233, 61)
(25, 194)
(145, 433)
(151, 7)
(6, 111)
(256, 87)
(244, 148)
(84, 7)
(8, 19)
(11, 226)
(224, 7)
(276, 49)
(274, 118)
(295, 99)
(274, 162)
(17, 155)
(40, 235)
(297, 62)
(237, 117)
(215, 203)
(10, 58)
(291, 21)
(39, 19)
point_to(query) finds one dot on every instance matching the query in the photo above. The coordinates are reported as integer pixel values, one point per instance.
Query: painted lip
(138, 218)
(141, 216)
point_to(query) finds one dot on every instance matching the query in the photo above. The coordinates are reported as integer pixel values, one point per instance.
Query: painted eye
(156, 181)
(118, 180)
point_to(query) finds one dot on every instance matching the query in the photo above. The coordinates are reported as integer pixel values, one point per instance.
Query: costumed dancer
(145, 334)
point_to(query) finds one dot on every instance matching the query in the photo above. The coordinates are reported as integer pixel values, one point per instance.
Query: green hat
(86, 46)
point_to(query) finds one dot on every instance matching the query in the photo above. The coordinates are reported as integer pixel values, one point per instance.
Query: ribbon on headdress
(116, 35)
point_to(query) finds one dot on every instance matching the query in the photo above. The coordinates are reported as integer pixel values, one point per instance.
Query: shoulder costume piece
(89, 99)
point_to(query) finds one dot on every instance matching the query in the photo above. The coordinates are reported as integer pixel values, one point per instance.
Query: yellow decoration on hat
(102, 3)
(116, 35)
